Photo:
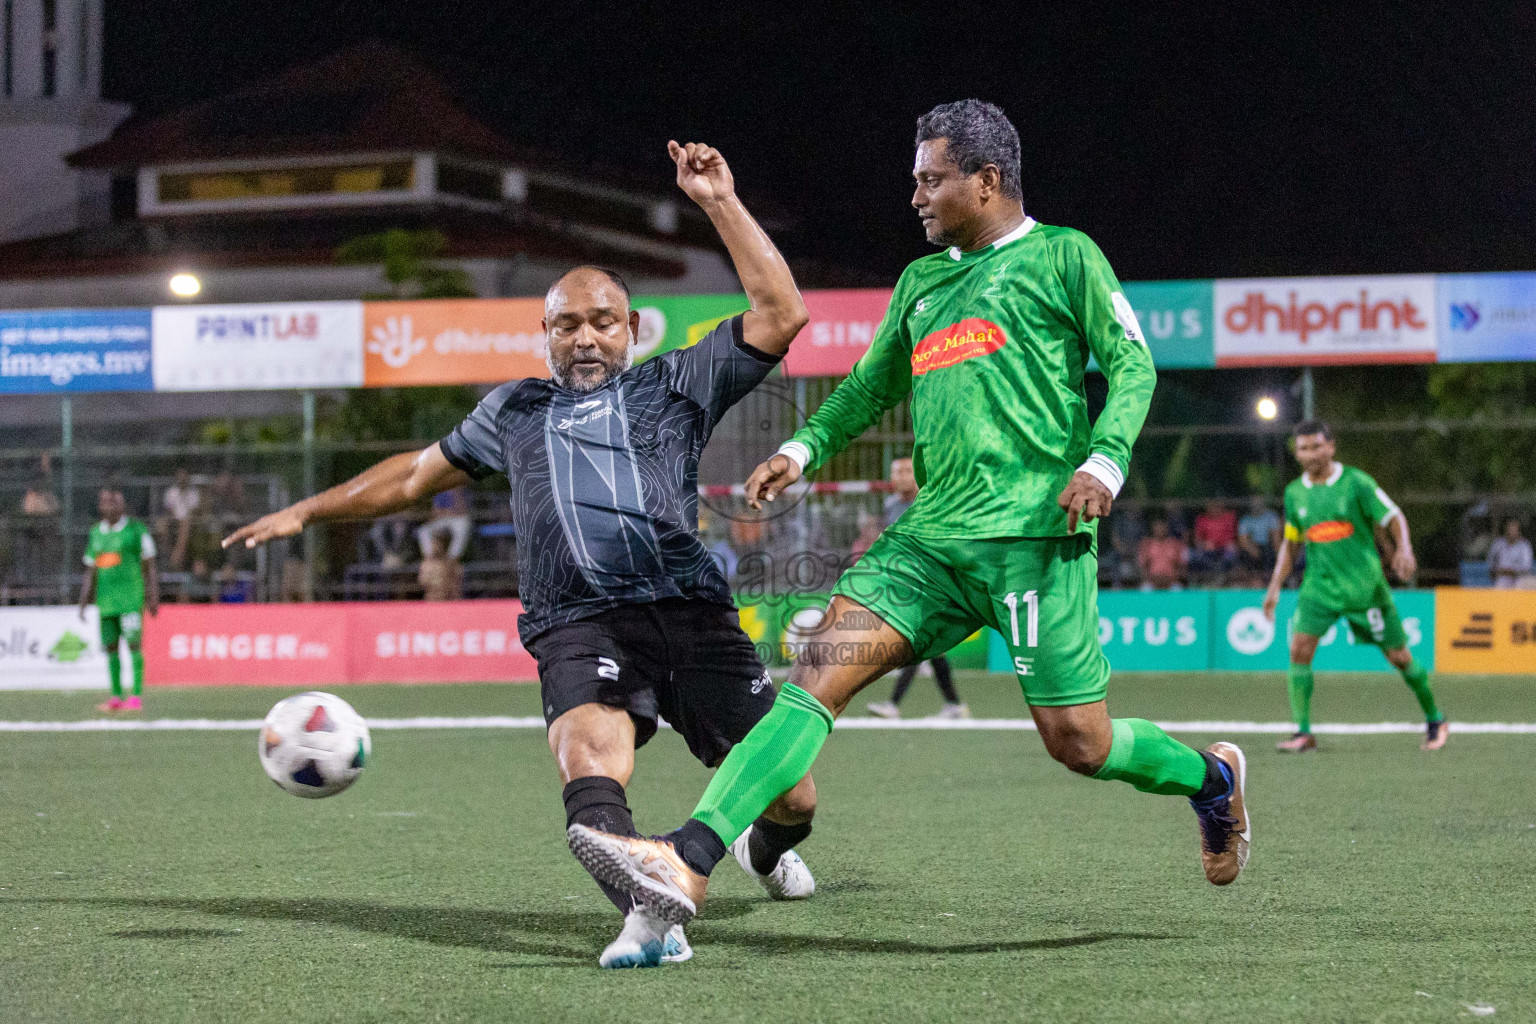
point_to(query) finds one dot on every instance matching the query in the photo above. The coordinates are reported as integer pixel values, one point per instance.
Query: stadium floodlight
(1267, 408)
(185, 285)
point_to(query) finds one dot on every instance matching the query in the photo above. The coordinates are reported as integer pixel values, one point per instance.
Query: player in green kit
(120, 561)
(1335, 511)
(991, 337)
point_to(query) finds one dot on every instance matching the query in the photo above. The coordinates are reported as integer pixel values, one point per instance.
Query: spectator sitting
(441, 576)
(1509, 557)
(721, 551)
(1162, 559)
(387, 537)
(226, 496)
(40, 499)
(1258, 537)
(1178, 522)
(870, 528)
(231, 588)
(1215, 548)
(450, 515)
(1127, 529)
(905, 483)
(181, 501)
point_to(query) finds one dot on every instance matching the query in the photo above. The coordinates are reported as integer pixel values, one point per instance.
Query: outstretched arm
(778, 313)
(396, 483)
(1403, 561)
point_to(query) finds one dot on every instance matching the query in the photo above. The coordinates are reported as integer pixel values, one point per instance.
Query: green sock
(1299, 681)
(115, 673)
(138, 670)
(1151, 760)
(1417, 678)
(774, 756)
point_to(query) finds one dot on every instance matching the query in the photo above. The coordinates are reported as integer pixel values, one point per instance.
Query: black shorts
(686, 661)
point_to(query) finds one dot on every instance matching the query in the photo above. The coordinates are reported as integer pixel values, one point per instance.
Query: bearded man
(629, 617)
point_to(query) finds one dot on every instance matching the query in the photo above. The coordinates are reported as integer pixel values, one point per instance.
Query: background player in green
(1335, 510)
(119, 561)
(992, 338)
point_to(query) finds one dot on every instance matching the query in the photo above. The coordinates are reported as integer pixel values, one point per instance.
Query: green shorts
(1041, 594)
(129, 625)
(1378, 623)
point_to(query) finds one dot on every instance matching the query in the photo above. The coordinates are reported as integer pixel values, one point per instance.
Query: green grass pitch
(962, 875)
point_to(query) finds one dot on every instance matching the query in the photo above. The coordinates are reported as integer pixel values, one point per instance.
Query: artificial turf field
(962, 875)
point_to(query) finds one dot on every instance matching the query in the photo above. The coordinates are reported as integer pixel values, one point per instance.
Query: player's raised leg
(852, 647)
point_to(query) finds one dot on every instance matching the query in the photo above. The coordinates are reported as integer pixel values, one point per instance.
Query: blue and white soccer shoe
(646, 941)
(790, 879)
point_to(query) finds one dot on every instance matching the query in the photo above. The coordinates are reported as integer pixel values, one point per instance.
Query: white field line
(941, 724)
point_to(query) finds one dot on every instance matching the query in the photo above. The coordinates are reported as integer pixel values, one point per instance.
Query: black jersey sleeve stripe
(459, 460)
(739, 337)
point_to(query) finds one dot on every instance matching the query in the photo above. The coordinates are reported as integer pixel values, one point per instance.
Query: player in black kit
(628, 615)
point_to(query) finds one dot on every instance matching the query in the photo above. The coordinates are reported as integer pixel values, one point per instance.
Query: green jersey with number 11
(993, 346)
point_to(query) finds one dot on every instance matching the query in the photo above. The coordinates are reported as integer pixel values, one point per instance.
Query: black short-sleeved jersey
(605, 483)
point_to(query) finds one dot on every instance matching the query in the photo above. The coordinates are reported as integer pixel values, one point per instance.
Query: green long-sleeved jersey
(993, 345)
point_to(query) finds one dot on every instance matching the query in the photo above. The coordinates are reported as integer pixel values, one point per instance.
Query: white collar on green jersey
(107, 527)
(1333, 476)
(1012, 236)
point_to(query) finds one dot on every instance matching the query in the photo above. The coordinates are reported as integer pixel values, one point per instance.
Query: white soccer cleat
(676, 949)
(642, 943)
(884, 709)
(954, 711)
(790, 879)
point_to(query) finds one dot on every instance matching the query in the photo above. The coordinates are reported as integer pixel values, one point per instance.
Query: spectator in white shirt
(1509, 557)
(181, 502)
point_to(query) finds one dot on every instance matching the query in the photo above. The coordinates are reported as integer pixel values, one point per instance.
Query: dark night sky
(1240, 142)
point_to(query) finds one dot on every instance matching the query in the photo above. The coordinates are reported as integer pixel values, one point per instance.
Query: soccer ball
(313, 744)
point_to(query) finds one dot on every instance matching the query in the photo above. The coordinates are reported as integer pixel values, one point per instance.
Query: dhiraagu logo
(1249, 632)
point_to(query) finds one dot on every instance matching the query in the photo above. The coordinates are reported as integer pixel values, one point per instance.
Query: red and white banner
(843, 323)
(1319, 320)
(335, 644)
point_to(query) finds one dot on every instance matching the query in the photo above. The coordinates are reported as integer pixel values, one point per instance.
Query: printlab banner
(50, 648)
(58, 350)
(258, 347)
(329, 644)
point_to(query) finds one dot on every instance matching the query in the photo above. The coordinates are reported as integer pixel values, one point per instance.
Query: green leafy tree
(408, 259)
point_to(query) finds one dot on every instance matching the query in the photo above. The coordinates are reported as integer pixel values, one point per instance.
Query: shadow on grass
(564, 938)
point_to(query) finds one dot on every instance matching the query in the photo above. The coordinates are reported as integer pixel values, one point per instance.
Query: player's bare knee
(1400, 658)
(1080, 751)
(1303, 649)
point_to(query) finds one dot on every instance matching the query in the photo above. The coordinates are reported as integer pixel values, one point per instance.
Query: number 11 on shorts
(1031, 602)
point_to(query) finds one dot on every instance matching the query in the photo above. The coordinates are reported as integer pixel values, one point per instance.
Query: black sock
(1216, 784)
(597, 801)
(768, 841)
(945, 679)
(902, 682)
(698, 845)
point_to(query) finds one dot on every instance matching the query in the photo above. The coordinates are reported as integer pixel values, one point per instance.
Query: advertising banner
(436, 642)
(843, 323)
(47, 351)
(51, 649)
(677, 321)
(1487, 317)
(332, 644)
(1244, 639)
(299, 645)
(1485, 631)
(258, 347)
(1176, 318)
(452, 341)
(1283, 321)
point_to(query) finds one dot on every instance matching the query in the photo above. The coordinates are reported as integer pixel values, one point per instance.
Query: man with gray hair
(629, 617)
